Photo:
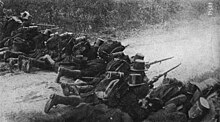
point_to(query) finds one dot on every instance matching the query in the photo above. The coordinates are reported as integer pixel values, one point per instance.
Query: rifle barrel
(49, 25)
(126, 45)
(171, 69)
(154, 62)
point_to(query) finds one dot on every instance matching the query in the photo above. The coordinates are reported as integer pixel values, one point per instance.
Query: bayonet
(147, 65)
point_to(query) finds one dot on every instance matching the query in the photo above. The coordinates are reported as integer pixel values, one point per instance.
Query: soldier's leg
(57, 99)
(42, 64)
(48, 59)
(69, 90)
(67, 72)
(72, 89)
(12, 62)
(2, 53)
(33, 63)
(20, 61)
(10, 54)
(4, 49)
(85, 88)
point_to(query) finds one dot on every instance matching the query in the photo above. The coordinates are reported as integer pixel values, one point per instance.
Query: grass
(107, 16)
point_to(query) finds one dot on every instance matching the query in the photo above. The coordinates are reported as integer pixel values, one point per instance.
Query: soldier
(15, 22)
(41, 38)
(11, 25)
(90, 113)
(120, 92)
(92, 53)
(124, 93)
(168, 89)
(109, 47)
(14, 27)
(90, 69)
(26, 19)
(51, 62)
(98, 64)
(117, 64)
(80, 113)
(137, 89)
(168, 114)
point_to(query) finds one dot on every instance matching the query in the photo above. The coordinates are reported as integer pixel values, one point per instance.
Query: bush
(94, 15)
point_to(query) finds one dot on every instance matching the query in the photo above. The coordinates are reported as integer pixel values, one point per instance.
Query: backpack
(109, 47)
(118, 65)
(167, 90)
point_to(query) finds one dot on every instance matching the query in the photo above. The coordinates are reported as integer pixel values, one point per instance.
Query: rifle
(126, 46)
(55, 28)
(46, 25)
(154, 62)
(156, 78)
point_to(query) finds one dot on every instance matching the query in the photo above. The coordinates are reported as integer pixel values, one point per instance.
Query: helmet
(25, 15)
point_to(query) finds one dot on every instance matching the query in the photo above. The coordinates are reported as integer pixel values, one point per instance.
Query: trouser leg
(68, 73)
(9, 54)
(85, 88)
(72, 100)
(57, 99)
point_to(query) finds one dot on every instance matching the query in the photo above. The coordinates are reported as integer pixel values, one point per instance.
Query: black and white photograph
(109, 60)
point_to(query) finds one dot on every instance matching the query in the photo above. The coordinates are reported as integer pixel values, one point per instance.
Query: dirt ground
(195, 44)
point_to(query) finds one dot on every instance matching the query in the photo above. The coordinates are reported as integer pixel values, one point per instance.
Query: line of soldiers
(107, 85)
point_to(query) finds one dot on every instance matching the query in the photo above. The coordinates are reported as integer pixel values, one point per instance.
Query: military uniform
(89, 113)
(167, 90)
(125, 95)
(129, 104)
(91, 69)
(12, 24)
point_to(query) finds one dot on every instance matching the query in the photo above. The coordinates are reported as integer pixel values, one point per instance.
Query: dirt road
(194, 44)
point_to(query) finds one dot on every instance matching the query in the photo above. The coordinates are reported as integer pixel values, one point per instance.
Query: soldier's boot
(48, 59)
(25, 63)
(69, 90)
(27, 66)
(2, 53)
(20, 61)
(67, 72)
(56, 99)
(29, 63)
(12, 62)
(34, 63)
(6, 55)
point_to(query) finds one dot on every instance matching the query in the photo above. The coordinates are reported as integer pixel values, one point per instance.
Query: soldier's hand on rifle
(143, 103)
(147, 65)
(152, 81)
(155, 78)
